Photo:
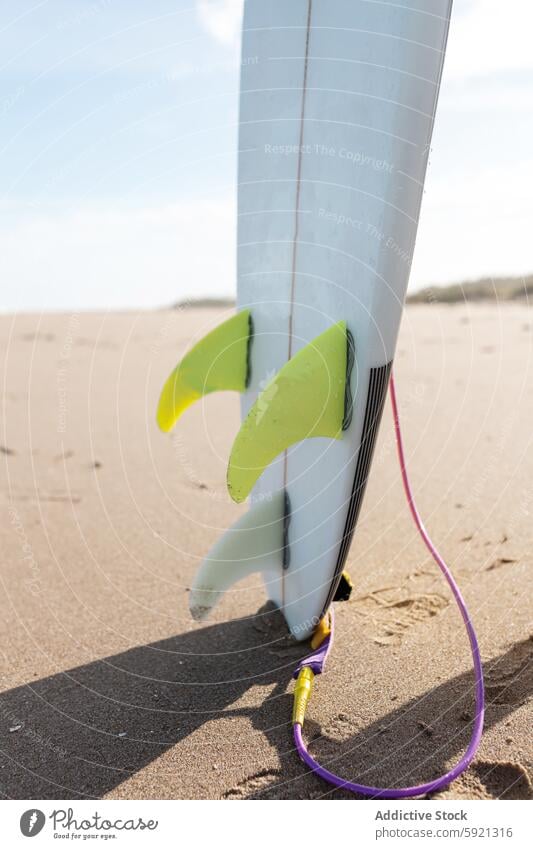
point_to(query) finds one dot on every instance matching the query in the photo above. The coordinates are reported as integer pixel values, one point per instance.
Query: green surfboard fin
(305, 399)
(220, 361)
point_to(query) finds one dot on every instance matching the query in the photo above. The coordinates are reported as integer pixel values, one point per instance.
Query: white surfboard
(338, 99)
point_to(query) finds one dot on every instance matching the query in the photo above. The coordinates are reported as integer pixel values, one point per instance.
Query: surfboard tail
(309, 397)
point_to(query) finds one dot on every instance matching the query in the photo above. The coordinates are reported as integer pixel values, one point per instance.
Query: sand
(110, 690)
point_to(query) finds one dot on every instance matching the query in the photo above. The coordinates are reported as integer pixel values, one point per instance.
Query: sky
(118, 139)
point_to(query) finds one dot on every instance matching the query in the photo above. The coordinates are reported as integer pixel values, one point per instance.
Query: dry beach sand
(108, 689)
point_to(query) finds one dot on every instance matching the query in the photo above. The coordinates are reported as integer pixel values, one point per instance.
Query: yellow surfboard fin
(220, 361)
(305, 399)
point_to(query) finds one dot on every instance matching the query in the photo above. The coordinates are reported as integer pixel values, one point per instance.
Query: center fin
(305, 399)
(255, 543)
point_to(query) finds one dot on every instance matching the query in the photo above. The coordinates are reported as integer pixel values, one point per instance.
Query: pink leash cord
(319, 658)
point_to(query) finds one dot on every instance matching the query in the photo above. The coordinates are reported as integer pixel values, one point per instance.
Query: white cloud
(490, 36)
(476, 217)
(222, 19)
(100, 257)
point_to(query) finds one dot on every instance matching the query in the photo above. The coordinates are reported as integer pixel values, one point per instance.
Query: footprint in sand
(38, 337)
(393, 611)
(490, 780)
(253, 785)
(504, 780)
(499, 562)
(511, 684)
(42, 497)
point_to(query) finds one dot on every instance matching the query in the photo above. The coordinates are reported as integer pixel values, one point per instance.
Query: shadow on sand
(68, 745)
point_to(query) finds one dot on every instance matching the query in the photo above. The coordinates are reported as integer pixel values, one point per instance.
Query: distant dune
(204, 303)
(496, 289)
(486, 289)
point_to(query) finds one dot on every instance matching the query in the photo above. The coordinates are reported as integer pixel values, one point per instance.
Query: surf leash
(314, 664)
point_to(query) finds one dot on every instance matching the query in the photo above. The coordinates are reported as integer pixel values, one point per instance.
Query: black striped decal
(350, 362)
(377, 390)
(286, 561)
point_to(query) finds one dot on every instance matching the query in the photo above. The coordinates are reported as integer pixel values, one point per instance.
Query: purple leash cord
(317, 660)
